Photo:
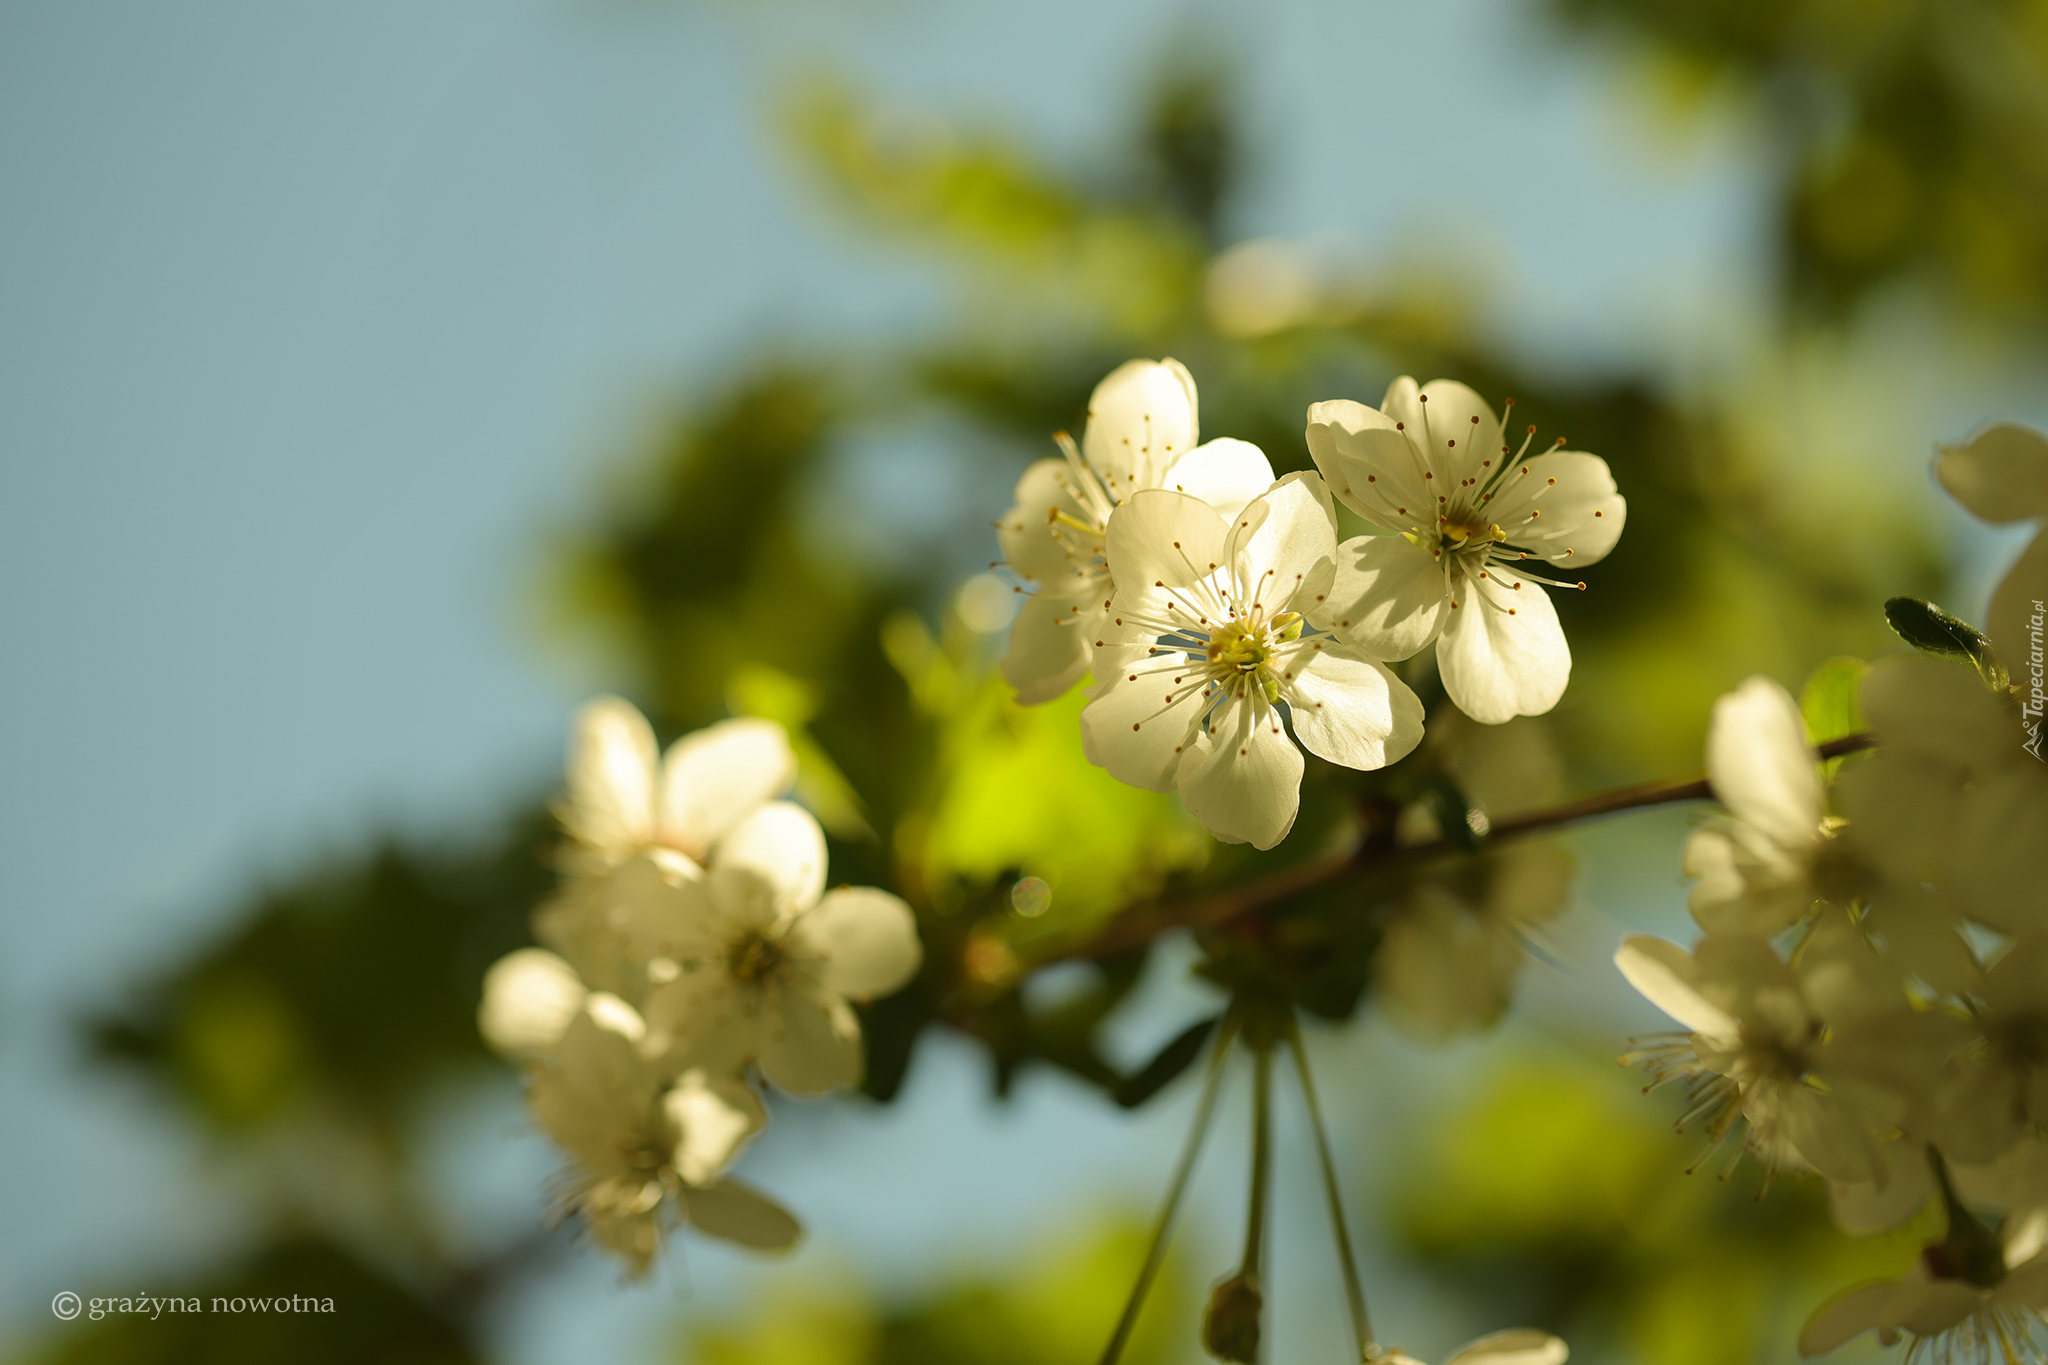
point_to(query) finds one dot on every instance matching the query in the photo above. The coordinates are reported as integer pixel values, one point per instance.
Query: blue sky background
(316, 322)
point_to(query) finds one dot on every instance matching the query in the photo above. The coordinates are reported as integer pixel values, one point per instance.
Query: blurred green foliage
(1557, 1195)
(1049, 1309)
(1913, 135)
(341, 1002)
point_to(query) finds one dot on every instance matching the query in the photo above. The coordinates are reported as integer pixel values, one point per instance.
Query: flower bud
(1230, 1328)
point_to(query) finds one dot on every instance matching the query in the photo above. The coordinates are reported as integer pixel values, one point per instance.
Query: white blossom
(1452, 945)
(646, 1147)
(1468, 510)
(1951, 796)
(1141, 433)
(627, 803)
(1979, 1313)
(755, 962)
(1999, 1092)
(1773, 1047)
(1213, 635)
(2002, 476)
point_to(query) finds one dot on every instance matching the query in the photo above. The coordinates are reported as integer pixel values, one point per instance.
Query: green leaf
(1176, 1057)
(1931, 630)
(1832, 702)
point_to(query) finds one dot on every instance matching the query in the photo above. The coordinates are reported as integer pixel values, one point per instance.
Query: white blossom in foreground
(1516, 1346)
(1974, 1307)
(1775, 1047)
(1214, 629)
(647, 1149)
(755, 962)
(1141, 433)
(1431, 465)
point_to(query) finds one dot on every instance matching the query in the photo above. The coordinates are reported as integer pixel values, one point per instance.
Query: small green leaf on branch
(1171, 1060)
(1931, 630)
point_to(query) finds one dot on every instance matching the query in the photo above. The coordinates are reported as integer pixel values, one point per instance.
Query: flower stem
(1354, 1288)
(1262, 1159)
(1191, 1147)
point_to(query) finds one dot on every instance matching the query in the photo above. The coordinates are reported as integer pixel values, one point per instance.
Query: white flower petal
(1938, 710)
(809, 1046)
(2001, 474)
(1284, 545)
(1665, 975)
(1131, 729)
(1050, 645)
(529, 998)
(1582, 514)
(1243, 781)
(700, 1020)
(1903, 1189)
(1351, 710)
(771, 866)
(1370, 466)
(1141, 419)
(1035, 546)
(2001, 829)
(1457, 428)
(2016, 629)
(1388, 597)
(1225, 473)
(1516, 1346)
(715, 778)
(1853, 1312)
(611, 777)
(868, 939)
(657, 906)
(714, 1118)
(1162, 537)
(1506, 661)
(739, 1213)
(1760, 766)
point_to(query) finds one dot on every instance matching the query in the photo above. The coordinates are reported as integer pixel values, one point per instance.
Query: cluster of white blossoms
(1216, 608)
(1870, 998)
(692, 951)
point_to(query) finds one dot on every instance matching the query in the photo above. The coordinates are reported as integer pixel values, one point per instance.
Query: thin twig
(1190, 1149)
(1354, 1287)
(1144, 925)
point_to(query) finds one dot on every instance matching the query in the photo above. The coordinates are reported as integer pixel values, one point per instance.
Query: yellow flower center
(755, 959)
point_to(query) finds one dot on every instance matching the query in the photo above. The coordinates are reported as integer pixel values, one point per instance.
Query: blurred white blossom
(760, 961)
(647, 1148)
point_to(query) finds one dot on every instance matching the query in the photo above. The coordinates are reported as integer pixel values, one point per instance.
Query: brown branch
(1375, 853)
